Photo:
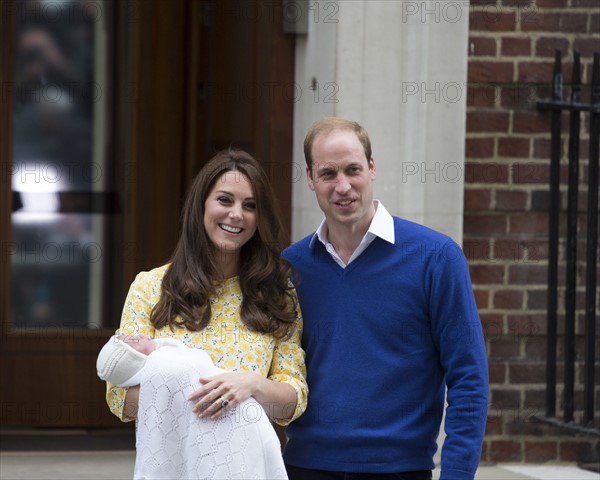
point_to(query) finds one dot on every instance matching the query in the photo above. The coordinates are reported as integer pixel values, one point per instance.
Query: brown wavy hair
(268, 304)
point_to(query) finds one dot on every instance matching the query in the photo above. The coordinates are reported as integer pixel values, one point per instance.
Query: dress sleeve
(288, 366)
(135, 320)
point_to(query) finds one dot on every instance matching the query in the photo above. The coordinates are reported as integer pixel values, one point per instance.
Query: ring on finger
(224, 402)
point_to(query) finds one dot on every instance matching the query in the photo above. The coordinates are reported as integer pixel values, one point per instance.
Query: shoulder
(405, 230)
(295, 249)
(424, 242)
(152, 276)
(149, 284)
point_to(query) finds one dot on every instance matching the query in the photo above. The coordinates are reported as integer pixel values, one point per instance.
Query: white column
(399, 68)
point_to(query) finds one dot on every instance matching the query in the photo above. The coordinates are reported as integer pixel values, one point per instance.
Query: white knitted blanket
(172, 443)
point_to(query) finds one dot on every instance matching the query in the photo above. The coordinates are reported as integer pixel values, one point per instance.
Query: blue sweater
(383, 338)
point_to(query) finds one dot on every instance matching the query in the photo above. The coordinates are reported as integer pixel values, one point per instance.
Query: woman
(226, 290)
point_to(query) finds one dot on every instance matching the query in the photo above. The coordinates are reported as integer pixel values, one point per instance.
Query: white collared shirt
(382, 226)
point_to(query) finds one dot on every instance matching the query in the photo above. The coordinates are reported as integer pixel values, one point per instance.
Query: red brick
(477, 199)
(492, 325)
(484, 224)
(477, 249)
(486, 274)
(490, 71)
(532, 173)
(494, 425)
(495, 422)
(574, 23)
(537, 251)
(543, 92)
(479, 147)
(508, 249)
(481, 95)
(527, 173)
(534, 399)
(538, 452)
(586, 78)
(522, 424)
(507, 200)
(594, 22)
(482, 298)
(487, 122)
(537, 299)
(535, 72)
(540, 200)
(536, 349)
(505, 451)
(547, 46)
(519, 97)
(571, 451)
(492, 19)
(586, 46)
(516, 3)
(508, 299)
(535, 223)
(527, 275)
(541, 147)
(526, 325)
(567, 68)
(529, 122)
(497, 373)
(477, 3)
(504, 349)
(584, 147)
(515, 47)
(482, 46)
(550, 3)
(503, 398)
(528, 16)
(514, 147)
(486, 173)
(527, 373)
(584, 3)
(568, 451)
(536, 21)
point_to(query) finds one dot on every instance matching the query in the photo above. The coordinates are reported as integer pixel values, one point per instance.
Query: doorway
(180, 80)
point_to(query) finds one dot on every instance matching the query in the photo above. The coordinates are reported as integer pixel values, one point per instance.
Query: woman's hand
(132, 398)
(224, 392)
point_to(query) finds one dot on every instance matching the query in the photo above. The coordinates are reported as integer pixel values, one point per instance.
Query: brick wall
(511, 54)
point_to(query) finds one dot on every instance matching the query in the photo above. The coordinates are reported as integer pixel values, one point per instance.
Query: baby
(171, 441)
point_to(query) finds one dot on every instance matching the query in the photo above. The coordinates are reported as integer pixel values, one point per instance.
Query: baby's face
(140, 343)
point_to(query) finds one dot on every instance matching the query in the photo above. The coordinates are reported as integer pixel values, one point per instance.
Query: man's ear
(309, 179)
(372, 168)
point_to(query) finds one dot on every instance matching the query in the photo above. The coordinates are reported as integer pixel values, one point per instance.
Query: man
(390, 322)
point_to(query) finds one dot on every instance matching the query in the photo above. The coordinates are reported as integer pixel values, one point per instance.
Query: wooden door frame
(65, 355)
(155, 142)
(7, 34)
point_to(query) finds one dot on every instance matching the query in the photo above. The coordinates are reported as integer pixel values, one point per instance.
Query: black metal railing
(575, 107)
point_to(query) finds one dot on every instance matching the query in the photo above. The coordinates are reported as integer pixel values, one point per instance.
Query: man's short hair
(327, 125)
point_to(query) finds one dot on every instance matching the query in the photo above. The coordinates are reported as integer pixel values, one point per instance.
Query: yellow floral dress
(230, 344)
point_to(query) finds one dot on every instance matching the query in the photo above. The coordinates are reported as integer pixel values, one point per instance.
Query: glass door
(60, 177)
(62, 210)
